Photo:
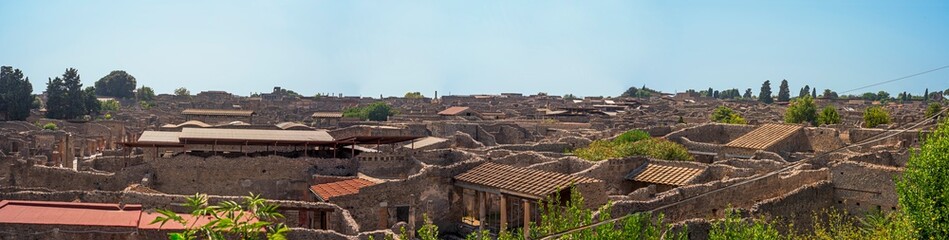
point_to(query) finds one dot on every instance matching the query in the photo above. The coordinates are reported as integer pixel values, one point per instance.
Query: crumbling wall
(823, 139)
(567, 165)
(712, 133)
(863, 187)
(799, 206)
(613, 172)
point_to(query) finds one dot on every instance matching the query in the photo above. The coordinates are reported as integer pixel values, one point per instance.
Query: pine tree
(16, 94)
(748, 94)
(765, 94)
(74, 95)
(784, 94)
(56, 99)
(926, 95)
(814, 92)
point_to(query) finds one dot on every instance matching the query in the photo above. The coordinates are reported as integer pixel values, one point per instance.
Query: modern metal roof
(453, 111)
(424, 142)
(520, 181)
(327, 115)
(765, 136)
(662, 174)
(293, 126)
(157, 137)
(253, 135)
(218, 112)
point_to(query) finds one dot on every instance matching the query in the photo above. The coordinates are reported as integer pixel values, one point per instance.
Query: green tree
(182, 92)
(784, 93)
(145, 94)
(109, 105)
(724, 114)
(734, 227)
(814, 92)
(75, 95)
(254, 219)
(874, 116)
(828, 116)
(16, 94)
(765, 94)
(414, 95)
(50, 126)
(830, 94)
(801, 110)
(570, 97)
(118, 84)
(933, 109)
(806, 90)
(923, 188)
(56, 99)
(378, 111)
(748, 94)
(926, 95)
(93, 107)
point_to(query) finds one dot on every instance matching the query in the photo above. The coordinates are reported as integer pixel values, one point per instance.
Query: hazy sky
(468, 47)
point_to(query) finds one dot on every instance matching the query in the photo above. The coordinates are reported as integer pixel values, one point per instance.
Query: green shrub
(933, 109)
(828, 116)
(923, 188)
(50, 126)
(734, 227)
(632, 136)
(599, 150)
(254, 219)
(378, 111)
(801, 110)
(109, 105)
(724, 114)
(874, 116)
(651, 147)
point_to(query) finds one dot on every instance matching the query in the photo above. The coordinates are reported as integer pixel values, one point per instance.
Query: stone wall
(798, 206)
(712, 133)
(863, 187)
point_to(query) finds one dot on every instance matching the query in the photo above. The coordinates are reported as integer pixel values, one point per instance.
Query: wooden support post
(527, 218)
(324, 219)
(503, 213)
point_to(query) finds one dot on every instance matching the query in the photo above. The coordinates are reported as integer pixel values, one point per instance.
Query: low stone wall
(863, 187)
(712, 133)
(798, 206)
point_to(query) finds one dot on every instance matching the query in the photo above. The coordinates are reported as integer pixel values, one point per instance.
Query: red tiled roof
(662, 174)
(453, 111)
(326, 191)
(66, 213)
(517, 180)
(147, 218)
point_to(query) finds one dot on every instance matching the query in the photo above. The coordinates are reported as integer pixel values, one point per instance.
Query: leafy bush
(230, 220)
(933, 109)
(734, 227)
(651, 147)
(632, 136)
(923, 188)
(801, 110)
(109, 105)
(414, 95)
(378, 111)
(828, 116)
(50, 126)
(723, 114)
(874, 116)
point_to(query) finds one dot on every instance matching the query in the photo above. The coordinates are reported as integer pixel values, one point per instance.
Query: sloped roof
(157, 137)
(424, 142)
(66, 213)
(520, 181)
(218, 112)
(259, 135)
(662, 174)
(292, 125)
(453, 111)
(327, 115)
(764, 136)
(326, 191)
(192, 123)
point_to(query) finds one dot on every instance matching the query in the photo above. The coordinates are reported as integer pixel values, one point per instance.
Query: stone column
(383, 215)
(481, 210)
(527, 218)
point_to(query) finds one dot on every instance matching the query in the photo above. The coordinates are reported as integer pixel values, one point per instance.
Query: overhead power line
(896, 79)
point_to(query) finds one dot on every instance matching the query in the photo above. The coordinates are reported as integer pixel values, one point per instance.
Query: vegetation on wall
(874, 116)
(633, 143)
(724, 114)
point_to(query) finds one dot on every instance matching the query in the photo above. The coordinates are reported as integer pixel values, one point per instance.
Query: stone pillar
(383, 215)
(411, 215)
(503, 212)
(481, 210)
(527, 218)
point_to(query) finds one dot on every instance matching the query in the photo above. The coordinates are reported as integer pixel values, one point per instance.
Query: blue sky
(587, 48)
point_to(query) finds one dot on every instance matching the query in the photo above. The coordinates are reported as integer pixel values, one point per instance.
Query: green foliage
(923, 188)
(643, 92)
(828, 116)
(874, 116)
(145, 94)
(631, 136)
(378, 111)
(182, 92)
(117, 84)
(829, 94)
(109, 105)
(16, 94)
(734, 227)
(765, 94)
(414, 95)
(93, 107)
(145, 105)
(570, 97)
(65, 98)
(748, 94)
(801, 110)
(933, 109)
(784, 93)
(651, 147)
(724, 114)
(229, 220)
(428, 231)
(50, 126)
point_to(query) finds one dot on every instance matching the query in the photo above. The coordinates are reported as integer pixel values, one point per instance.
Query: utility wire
(896, 79)
(878, 137)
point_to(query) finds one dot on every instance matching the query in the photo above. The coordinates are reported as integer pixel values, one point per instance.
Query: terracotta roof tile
(764, 136)
(453, 111)
(661, 174)
(326, 191)
(532, 182)
(66, 213)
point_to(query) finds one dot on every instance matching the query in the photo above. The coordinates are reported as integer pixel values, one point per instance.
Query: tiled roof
(453, 111)
(517, 180)
(765, 136)
(424, 142)
(661, 174)
(66, 213)
(327, 115)
(326, 191)
(218, 112)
